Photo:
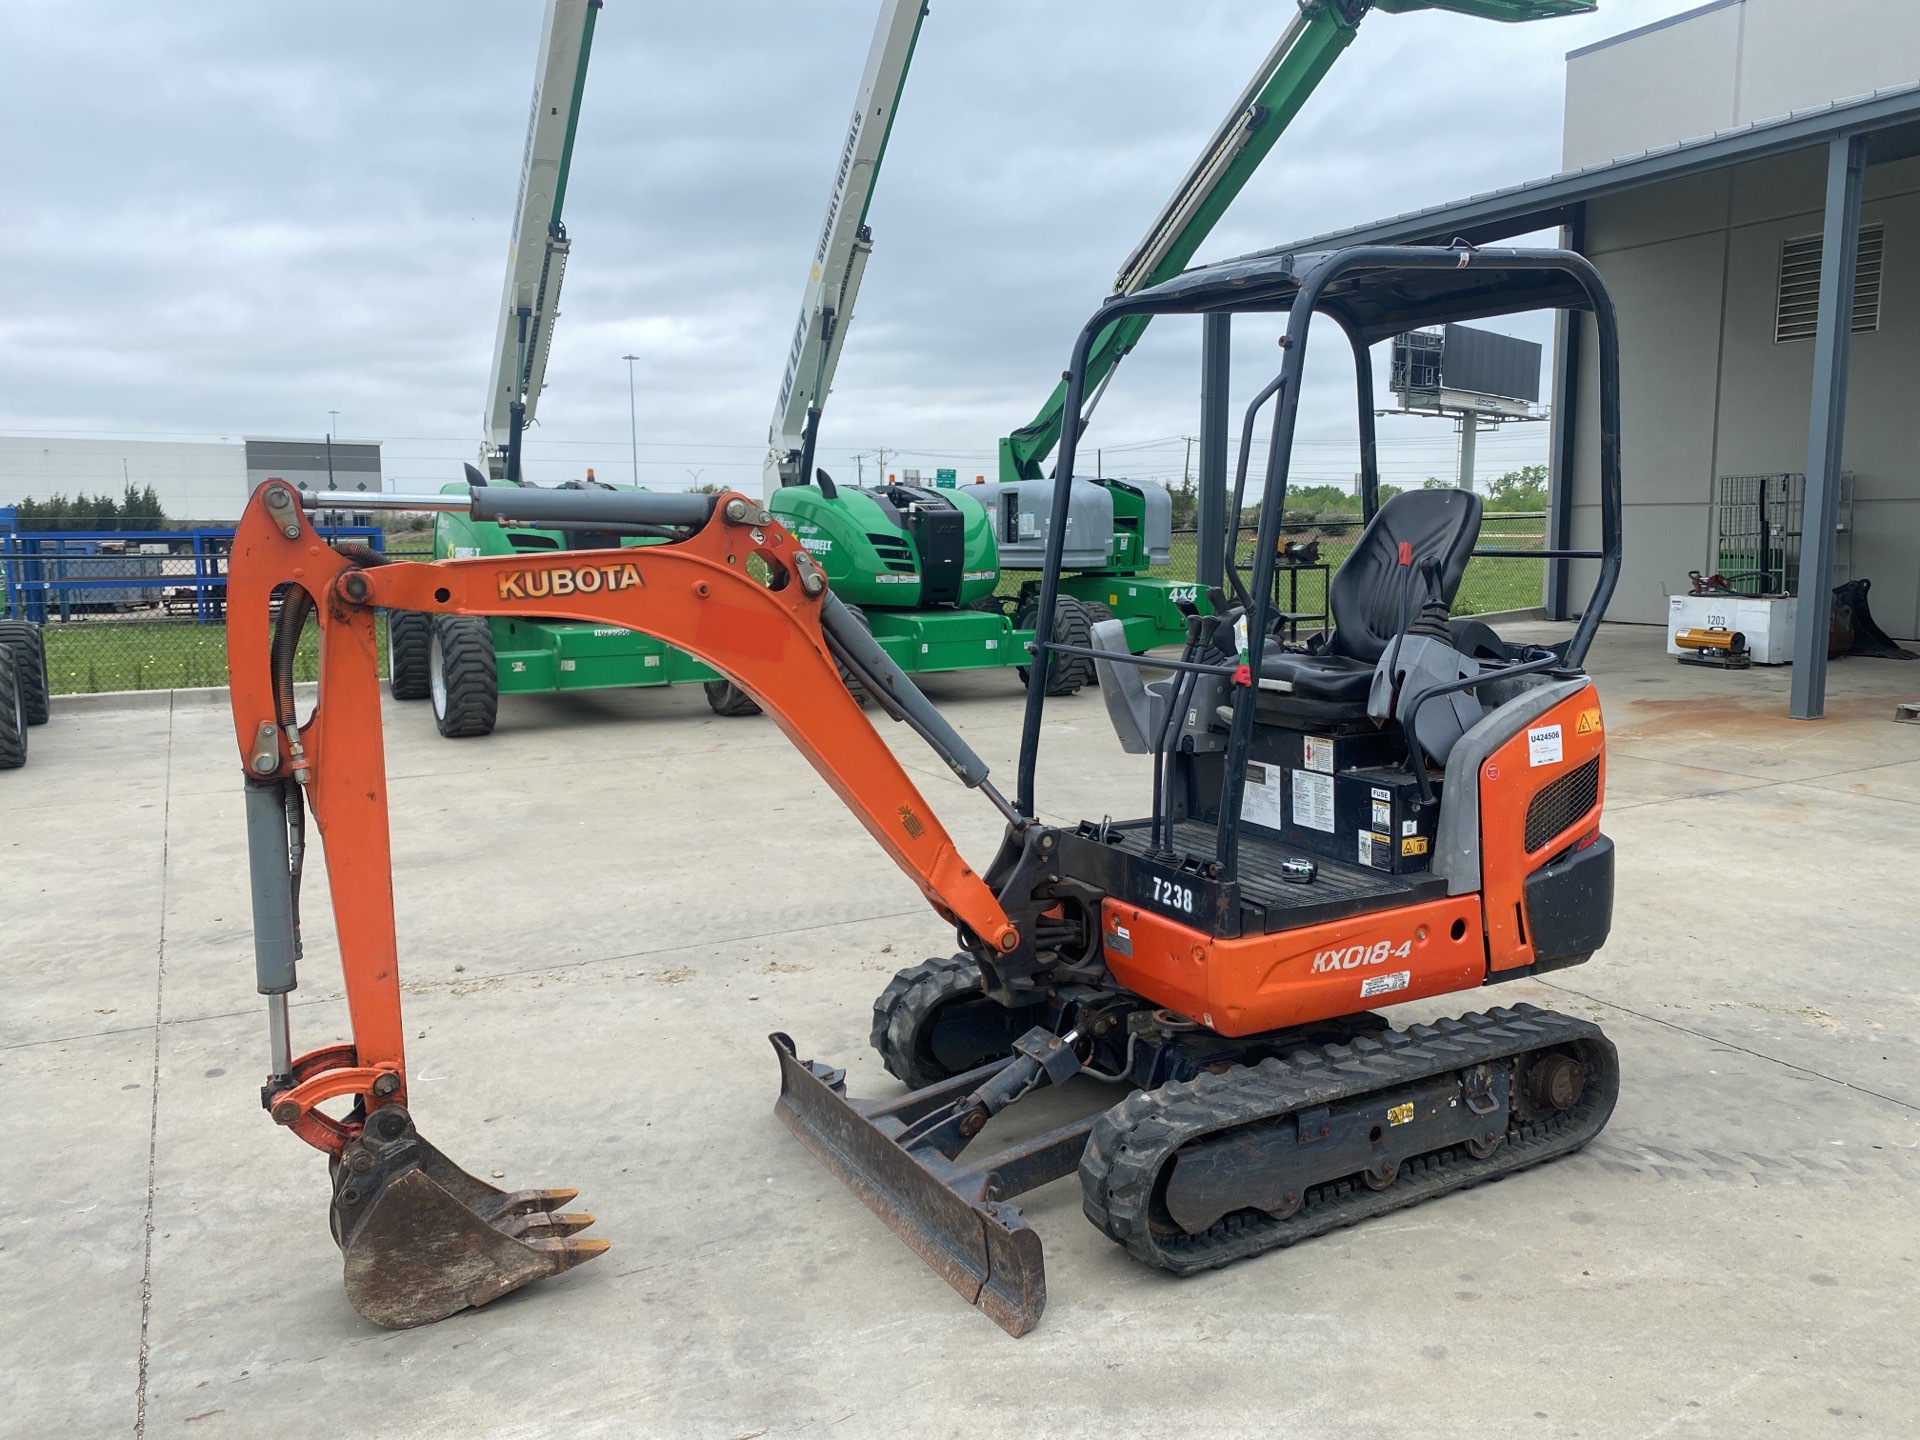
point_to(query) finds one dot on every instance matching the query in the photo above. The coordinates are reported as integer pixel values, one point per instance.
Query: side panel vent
(1562, 803)
(1797, 308)
(894, 552)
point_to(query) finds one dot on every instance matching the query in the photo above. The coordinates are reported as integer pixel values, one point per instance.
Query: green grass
(1489, 586)
(88, 656)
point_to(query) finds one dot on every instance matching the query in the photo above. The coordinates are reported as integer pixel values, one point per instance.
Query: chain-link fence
(147, 611)
(133, 610)
(1491, 584)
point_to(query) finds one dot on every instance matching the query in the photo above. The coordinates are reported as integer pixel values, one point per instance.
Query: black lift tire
(409, 654)
(1097, 610)
(1070, 627)
(932, 1022)
(854, 687)
(726, 698)
(464, 678)
(13, 715)
(29, 644)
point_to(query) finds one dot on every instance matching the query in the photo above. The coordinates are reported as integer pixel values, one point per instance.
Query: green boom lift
(1292, 70)
(883, 547)
(462, 663)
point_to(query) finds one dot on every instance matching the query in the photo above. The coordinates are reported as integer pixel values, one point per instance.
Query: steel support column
(1566, 431)
(1827, 423)
(1216, 373)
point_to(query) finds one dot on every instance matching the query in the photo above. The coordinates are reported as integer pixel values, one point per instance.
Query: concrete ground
(605, 907)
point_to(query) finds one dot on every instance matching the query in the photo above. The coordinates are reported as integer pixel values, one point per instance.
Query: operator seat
(1367, 598)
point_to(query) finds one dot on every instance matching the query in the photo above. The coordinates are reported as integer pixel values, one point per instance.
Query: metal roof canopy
(1890, 119)
(1855, 134)
(1478, 285)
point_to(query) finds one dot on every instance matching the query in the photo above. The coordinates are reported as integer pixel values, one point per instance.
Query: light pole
(696, 474)
(633, 420)
(333, 422)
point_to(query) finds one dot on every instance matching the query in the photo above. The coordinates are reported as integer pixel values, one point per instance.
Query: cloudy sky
(230, 218)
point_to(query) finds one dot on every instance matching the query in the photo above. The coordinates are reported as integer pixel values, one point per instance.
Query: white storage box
(1767, 624)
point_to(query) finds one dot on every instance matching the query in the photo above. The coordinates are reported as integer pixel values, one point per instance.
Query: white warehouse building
(196, 481)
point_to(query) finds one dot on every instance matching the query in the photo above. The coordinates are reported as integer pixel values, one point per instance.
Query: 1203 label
(1174, 897)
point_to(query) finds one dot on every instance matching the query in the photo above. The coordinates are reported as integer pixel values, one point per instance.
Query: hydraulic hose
(296, 607)
(850, 643)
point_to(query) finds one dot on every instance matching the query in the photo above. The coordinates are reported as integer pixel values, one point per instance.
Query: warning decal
(1260, 795)
(1313, 801)
(1589, 722)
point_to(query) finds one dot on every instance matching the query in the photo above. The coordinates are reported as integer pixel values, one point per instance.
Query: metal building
(196, 481)
(1746, 176)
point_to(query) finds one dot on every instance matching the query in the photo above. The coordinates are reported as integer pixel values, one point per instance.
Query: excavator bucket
(423, 1239)
(954, 1215)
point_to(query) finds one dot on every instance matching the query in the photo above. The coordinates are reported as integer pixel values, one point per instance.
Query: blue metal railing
(49, 574)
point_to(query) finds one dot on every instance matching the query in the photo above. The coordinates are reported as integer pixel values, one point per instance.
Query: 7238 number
(1174, 897)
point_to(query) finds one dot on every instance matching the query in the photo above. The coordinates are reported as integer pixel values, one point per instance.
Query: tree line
(137, 509)
(1522, 489)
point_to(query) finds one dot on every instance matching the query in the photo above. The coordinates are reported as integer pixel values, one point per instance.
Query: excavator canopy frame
(1373, 293)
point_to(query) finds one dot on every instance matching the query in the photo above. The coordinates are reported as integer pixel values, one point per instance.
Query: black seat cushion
(1368, 596)
(1320, 677)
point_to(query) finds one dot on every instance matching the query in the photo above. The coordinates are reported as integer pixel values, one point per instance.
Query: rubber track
(473, 676)
(905, 1008)
(13, 738)
(409, 657)
(1132, 1143)
(29, 644)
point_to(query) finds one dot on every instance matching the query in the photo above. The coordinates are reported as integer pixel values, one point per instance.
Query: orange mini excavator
(1405, 809)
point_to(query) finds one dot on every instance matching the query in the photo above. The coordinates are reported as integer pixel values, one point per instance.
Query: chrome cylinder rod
(279, 1036)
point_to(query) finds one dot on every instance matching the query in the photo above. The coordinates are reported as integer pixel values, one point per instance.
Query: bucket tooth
(543, 1224)
(423, 1239)
(529, 1202)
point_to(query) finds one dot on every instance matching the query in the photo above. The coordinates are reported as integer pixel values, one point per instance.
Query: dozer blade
(982, 1247)
(423, 1239)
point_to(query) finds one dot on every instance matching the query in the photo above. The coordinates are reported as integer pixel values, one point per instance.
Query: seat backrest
(1368, 595)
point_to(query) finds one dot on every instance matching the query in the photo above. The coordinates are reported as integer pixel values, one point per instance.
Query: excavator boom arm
(699, 594)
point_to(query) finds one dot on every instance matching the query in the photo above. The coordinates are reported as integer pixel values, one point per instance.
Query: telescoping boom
(840, 256)
(1291, 72)
(537, 253)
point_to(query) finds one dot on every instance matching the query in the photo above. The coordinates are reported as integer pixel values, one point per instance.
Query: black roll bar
(1275, 283)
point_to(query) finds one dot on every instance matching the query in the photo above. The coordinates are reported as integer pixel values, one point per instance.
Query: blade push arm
(699, 594)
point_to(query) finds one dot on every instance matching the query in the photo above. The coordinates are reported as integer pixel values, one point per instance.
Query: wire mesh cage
(1759, 526)
(1416, 362)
